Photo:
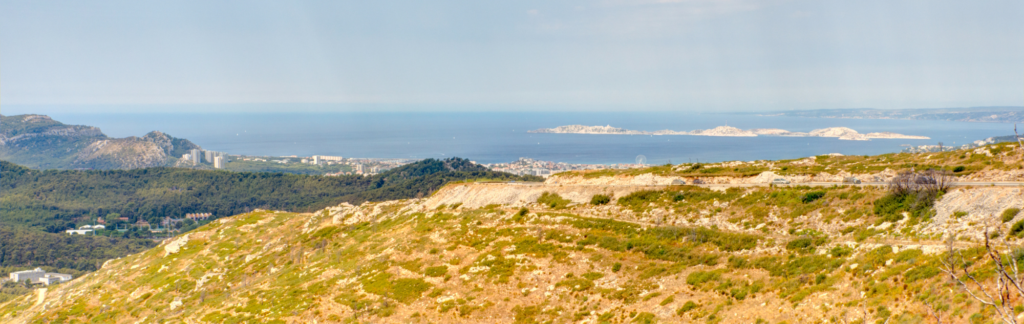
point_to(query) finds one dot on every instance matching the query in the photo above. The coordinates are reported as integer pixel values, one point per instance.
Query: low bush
(688, 306)
(1009, 214)
(918, 205)
(553, 200)
(600, 200)
(1016, 229)
(812, 196)
(805, 244)
(437, 271)
(698, 278)
(640, 199)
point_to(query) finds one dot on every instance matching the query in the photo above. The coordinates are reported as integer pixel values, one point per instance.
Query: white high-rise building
(218, 162)
(195, 156)
(316, 159)
(209, 156)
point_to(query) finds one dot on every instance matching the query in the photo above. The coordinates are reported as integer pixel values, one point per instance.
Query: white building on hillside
(78, 231)
(37, 275)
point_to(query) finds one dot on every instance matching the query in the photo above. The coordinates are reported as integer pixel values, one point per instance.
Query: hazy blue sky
(511, 55)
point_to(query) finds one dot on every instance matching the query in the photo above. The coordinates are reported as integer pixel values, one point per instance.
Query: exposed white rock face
(984, 207)
(175, 245)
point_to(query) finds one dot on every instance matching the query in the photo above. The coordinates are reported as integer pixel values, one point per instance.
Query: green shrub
(840, 251)
(600, 200)
(593, 275)
(922, 272)
(668, 300)
(812, 196)
(520, 215)
(553, 200)
(700, 277)
(688, 306)
(616, 267)
(1010, 213)
(805, 244)
(576, 284)
(959, 169)
(1017, 229)
(645, 318)
(918, 205)
(640, 199)
(406, 290)
(437, 271)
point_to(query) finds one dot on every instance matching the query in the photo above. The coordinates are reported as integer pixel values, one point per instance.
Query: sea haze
(503, 137)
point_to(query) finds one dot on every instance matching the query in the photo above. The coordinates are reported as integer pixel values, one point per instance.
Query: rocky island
(842, 133)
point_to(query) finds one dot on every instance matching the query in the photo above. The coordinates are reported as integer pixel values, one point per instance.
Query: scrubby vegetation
(598, 200)
(553, 201)
(959, 162)
(676, 254)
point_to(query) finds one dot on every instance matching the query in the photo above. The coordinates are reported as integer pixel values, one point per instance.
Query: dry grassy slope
(408, 262)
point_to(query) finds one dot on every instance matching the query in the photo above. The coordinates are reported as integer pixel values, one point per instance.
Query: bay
(502, 136)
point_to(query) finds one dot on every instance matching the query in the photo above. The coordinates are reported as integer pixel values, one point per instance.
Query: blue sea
(503, 137)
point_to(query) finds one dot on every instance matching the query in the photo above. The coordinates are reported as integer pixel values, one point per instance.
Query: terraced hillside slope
(675, 254)
(40, 142)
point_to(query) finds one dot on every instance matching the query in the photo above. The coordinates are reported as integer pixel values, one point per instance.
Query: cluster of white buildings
(85, 229)
(197, 157)
(528, 166)
(37, 276)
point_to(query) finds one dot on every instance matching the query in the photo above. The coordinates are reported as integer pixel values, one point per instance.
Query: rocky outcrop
(125, 153)
(979, 208)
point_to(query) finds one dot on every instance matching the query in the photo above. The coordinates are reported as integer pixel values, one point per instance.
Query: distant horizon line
(66, 109)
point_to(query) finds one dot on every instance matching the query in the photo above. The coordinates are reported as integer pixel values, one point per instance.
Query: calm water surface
(502, 137)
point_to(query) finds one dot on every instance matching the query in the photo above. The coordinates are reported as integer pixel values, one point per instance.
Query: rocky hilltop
(842, 133)
(611, 248)
(38, 141)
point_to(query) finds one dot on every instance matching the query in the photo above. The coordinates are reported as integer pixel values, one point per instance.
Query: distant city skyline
(617, 55)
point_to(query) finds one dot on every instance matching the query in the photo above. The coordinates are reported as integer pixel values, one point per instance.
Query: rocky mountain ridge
(38, 141)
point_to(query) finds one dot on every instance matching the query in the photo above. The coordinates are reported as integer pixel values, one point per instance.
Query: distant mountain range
(38, 141)
(1001, 114)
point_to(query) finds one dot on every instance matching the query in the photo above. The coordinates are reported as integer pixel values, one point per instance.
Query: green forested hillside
(54, 200)
(75, 254)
